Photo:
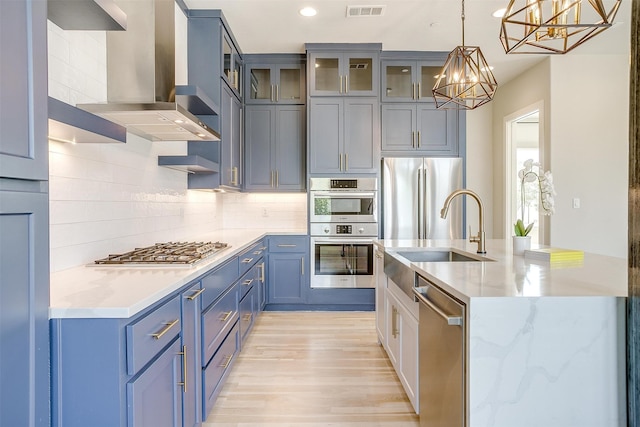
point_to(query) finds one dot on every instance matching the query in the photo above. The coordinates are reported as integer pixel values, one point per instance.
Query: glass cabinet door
(236, 80)
(398, 81)
(360, 76)
(260, 83)
(289, 86)
(428, 77)
(327, 75)
(227, 54)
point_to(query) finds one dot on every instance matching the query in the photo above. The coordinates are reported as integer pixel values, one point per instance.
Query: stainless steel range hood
(141, 90)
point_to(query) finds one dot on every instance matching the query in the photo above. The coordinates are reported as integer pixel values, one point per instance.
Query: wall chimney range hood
(141, 91)
(86, 15)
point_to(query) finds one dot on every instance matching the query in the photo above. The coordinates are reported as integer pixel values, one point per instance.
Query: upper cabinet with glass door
(410, 80)
(343, 69)
(274, 79)
(231, 64)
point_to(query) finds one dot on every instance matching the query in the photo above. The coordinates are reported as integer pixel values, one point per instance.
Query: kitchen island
(544, 343)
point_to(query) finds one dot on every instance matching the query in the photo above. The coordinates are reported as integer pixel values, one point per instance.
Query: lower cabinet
(191, 349)
(401, 334)
(161, 384)
(381, 289)
(217, 369)
(288, 270)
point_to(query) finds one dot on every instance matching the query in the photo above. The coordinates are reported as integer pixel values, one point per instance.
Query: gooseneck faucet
(480, 237)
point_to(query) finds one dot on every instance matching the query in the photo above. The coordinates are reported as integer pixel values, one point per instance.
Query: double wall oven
(343, 223)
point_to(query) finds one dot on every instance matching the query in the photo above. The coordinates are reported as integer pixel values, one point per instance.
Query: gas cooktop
(170, 253)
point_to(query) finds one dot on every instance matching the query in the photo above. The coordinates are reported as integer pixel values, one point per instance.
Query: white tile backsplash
(110, 198)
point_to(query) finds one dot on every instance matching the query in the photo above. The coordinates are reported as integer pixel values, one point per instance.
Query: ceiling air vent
(365, 11)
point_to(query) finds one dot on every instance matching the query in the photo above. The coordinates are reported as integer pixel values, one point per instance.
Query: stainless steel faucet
(480, 239)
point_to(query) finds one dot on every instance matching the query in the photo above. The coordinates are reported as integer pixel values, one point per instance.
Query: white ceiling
(275, 26)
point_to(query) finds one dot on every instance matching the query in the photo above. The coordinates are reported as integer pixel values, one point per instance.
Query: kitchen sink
(404, 276)
(438, 256)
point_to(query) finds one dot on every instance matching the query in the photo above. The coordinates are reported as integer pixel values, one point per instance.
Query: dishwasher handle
(420, 293)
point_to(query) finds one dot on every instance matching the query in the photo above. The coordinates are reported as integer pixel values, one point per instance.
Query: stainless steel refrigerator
(414, 191)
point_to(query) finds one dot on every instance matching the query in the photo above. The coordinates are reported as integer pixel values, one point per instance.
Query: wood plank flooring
(313, 369)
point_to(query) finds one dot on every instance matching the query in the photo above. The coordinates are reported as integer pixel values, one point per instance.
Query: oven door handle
(343, 241)
(342, 194)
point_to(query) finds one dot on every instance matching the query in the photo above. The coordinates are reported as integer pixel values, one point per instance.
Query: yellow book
(554, 254)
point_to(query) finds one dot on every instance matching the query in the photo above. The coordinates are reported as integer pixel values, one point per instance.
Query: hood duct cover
(141, 91)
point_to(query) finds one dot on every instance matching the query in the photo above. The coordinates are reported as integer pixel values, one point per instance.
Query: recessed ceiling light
(308, 11)
(499, 13)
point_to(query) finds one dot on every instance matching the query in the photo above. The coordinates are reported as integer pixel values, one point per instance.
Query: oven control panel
(344, 229)
(344, 183)
(364, 229)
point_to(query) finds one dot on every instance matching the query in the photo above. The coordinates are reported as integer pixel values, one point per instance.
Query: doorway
(524, 132)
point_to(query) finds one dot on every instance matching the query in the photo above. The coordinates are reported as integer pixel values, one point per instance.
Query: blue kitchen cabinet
(190, 306)
(275, 147)
(419, 128)
(274, 79)
(412, 78)
(231, 140)
(344, 135)
(343, 69)
(24, 215)
(155, 397)
(288, 270)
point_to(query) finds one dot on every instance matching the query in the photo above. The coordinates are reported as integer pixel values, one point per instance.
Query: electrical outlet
(576, 203)
(264, 212)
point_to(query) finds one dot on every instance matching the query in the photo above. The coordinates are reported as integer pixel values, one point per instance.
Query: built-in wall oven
(343, 224)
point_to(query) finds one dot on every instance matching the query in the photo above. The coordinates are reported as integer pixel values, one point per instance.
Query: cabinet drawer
(247, 309)
(288, 244)
(216, 369)
(216, 282)
(250, 256)
(217, 320)
(150, 334)
(247, 281)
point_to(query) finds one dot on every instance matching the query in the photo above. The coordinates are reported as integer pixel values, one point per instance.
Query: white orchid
(547, 191)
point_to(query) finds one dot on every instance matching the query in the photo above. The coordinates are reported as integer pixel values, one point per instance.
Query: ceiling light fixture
(308, 11)
(466, 80)
(554, 26)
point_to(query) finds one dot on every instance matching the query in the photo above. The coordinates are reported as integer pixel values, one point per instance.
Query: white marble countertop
(120, 292)
(514, 276)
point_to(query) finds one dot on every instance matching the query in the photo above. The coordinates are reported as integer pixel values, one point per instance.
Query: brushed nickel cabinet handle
(277, 179)
(183, 383)
(261, 267)
(302, 265)
(195, 295)
(226, 316)
(413, 139)
(419, 140)
(277, 93)
(286, 246)
(225, 364)
(246, 260)
(271, 94)
(346, 162)
(419, 94)
(346, 83)
(247, 282)
(340, 161)
(164, 330)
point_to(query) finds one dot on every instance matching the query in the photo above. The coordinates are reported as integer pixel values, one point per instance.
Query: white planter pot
(520, 244)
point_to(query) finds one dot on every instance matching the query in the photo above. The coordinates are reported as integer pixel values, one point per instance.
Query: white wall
(585, 144)
(275, 211)
(589, 152)
(480, 167)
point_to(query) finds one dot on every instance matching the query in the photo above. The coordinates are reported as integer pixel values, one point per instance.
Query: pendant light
(554, 26)
(466, 80)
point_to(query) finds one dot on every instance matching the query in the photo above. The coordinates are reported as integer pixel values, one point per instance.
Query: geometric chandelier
(466, 80)
(554, 26)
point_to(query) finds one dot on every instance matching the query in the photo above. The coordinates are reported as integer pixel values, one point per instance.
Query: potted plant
(521, 239)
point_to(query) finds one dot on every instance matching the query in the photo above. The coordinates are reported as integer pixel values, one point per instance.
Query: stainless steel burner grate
(167, 253)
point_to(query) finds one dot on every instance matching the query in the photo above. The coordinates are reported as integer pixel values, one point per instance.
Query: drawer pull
(225, 364)
(261, 267)
(286, 246)
(183, 383)
(257, 252)
(226, 316)
(247, 317)
(164, 330)
(247, 260)
(264, 248)
(247, 282)
(195, 295)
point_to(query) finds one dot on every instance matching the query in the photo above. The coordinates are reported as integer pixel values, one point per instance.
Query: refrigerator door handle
(420, 210)
(425, 218)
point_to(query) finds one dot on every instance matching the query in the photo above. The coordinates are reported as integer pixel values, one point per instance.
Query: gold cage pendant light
(466, 80)
(554, 26)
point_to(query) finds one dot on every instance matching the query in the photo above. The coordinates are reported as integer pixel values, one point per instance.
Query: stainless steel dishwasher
(441, 333)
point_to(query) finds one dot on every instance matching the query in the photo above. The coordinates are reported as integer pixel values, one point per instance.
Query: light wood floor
(312, 369)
